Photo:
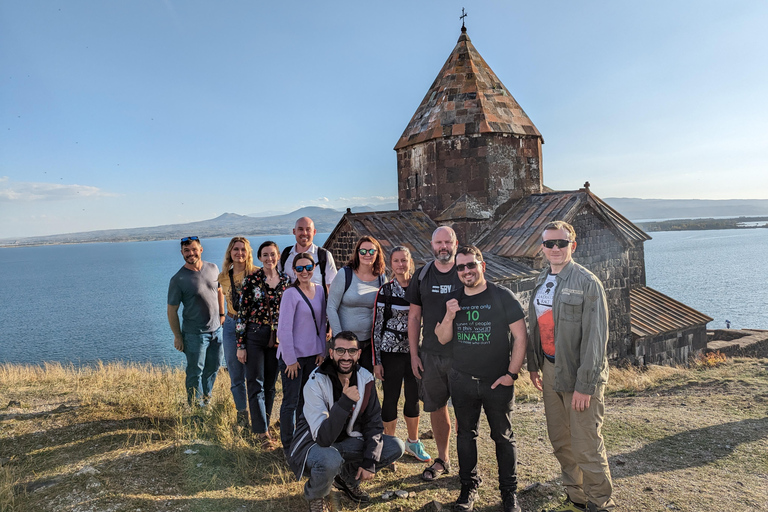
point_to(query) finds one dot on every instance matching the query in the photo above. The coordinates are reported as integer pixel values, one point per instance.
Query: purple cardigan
(295, 329)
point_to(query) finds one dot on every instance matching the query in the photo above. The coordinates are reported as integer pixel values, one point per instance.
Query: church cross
(463, 15)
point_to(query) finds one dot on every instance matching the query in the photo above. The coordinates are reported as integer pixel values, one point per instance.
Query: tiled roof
(414, 229)
(654, 313)
(466, 97)
(518, 232)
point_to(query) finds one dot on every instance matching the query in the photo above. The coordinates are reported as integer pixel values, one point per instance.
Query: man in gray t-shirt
(196, 286)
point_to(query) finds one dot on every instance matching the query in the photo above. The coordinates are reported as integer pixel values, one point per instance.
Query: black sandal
(431, 472)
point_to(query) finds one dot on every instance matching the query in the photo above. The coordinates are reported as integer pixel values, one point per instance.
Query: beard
(340, 370)
(444, 257)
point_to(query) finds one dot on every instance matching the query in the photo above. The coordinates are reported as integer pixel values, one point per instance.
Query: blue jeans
(343, 458)
(235, 367)
(203, 353)
(261, 375)
(469, 395)
(293, 398)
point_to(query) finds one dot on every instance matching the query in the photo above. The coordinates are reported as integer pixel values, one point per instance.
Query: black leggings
(397, 371)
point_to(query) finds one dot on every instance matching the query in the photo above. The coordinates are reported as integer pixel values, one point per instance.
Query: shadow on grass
(688, 449)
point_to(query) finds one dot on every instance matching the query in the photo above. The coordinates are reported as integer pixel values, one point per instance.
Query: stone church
(470, 158)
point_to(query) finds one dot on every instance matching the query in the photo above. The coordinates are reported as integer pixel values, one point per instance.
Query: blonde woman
(238, 263)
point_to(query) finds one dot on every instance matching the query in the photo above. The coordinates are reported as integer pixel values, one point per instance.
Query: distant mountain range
(231, 224)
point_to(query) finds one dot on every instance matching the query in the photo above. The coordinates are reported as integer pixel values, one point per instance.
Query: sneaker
(509, 502)
(417, 450)
(568, 506)
(353, 492)
(318, 505)
(467, 497)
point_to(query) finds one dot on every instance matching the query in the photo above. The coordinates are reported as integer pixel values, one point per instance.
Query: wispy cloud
(20, 191)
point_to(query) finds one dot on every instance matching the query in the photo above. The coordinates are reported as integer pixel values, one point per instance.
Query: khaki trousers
(578, 443)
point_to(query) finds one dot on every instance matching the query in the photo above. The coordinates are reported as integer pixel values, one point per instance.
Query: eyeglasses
(363, 252)
(190, 239)
(471, 266)
(302, 268)
(351, 351)
(562, 244)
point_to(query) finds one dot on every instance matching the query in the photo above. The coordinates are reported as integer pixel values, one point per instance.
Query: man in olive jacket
(568, 317)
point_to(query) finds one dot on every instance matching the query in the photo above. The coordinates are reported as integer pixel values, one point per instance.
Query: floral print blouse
(259, 304)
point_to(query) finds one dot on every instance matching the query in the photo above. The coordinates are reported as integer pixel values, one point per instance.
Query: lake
(87, 302)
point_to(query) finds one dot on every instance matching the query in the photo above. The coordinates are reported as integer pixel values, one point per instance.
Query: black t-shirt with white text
(431, 294)
(481, 337)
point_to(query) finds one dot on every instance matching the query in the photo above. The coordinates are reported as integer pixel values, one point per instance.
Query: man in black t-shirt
(430, 362)
(478, 321)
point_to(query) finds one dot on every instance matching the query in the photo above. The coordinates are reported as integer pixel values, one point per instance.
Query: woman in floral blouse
(256, 336)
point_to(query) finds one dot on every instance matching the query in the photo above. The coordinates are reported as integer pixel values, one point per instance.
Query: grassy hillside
(119, 437)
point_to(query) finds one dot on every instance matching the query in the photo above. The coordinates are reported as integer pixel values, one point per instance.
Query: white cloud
(20, 191)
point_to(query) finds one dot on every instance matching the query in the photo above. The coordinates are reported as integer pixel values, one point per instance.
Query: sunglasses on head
(351, 351)
(302, 268)
(471, 266)
(363, 252)
(190, 239)
(562, 244)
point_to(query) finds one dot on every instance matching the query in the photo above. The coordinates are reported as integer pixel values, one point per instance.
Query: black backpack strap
(284, 257)
(233, 291)
(386, 292)
(347, 277)
(322, 262)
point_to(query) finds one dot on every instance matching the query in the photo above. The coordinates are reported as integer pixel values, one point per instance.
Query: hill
(658, 209)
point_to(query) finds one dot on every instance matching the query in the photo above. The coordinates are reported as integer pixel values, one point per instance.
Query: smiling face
(304, 231)
(444, 245)
(269, 257)
(345, 362)
(238, 253)
(367, 259)
(305, 276)
(400, 263)
(556, 256)
(192, 252)
(470, 278)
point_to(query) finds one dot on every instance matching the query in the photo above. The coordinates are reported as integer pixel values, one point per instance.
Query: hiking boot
(467, 497)
(568, 506)
(509, 502)
(417, 450)
(318, 505)
(353, 492)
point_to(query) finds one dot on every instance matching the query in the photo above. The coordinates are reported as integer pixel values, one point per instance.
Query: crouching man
(339, 437)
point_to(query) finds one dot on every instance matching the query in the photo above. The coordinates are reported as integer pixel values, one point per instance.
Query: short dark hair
(472, 250)
(345, 335)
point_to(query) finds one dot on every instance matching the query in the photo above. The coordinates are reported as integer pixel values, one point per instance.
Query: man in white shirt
(304, 231)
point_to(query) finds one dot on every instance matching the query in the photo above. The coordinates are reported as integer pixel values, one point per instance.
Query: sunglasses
(351, 351)
(190, 239)
(363, 252)
(471, 266)
(302, 268)
(562, 244)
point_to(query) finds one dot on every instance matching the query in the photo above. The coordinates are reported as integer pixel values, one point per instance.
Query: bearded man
(339, 439)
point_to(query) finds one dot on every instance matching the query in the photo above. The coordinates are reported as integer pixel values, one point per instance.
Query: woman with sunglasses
(257, 321)
(238, 263)
(352, 295)
(301, 331)
(392, 354)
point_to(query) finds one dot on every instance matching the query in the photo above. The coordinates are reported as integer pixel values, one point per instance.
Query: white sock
(411, 441)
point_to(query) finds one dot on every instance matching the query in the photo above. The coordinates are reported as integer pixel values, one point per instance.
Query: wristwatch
(513, 375)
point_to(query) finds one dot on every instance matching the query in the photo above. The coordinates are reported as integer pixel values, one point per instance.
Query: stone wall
(492, 168)
(342, 244)
(672, 347)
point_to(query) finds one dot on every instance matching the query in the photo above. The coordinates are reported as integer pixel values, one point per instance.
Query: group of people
(442, 334)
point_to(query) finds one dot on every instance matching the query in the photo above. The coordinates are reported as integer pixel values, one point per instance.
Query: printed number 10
(473, 316)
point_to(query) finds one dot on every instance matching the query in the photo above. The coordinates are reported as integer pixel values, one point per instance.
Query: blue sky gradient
(138, 113)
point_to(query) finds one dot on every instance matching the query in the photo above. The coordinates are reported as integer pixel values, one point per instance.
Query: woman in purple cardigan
(301, 330)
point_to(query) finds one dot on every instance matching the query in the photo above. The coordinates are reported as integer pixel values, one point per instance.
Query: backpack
(348, 272)
(322, 260)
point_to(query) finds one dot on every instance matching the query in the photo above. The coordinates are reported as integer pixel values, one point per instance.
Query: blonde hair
(249, 266)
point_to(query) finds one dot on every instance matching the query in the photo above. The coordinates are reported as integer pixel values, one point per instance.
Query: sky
(141, 113)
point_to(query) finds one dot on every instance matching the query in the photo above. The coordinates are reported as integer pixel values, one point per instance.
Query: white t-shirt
(543, 306)
(317, 276)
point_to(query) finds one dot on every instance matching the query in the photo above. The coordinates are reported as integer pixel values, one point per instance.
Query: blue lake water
(88, 302)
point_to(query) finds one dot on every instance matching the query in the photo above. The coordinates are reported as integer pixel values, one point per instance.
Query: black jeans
(469, 395)
(260, 376)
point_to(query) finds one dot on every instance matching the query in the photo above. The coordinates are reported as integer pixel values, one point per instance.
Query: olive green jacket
(581, 331)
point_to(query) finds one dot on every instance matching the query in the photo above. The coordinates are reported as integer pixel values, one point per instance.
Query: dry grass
(119, 437)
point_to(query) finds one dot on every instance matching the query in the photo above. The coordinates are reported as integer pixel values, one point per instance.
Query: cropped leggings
(397, 373)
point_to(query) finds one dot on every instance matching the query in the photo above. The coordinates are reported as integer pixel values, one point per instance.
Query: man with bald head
(431, 361)
(304, 231)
